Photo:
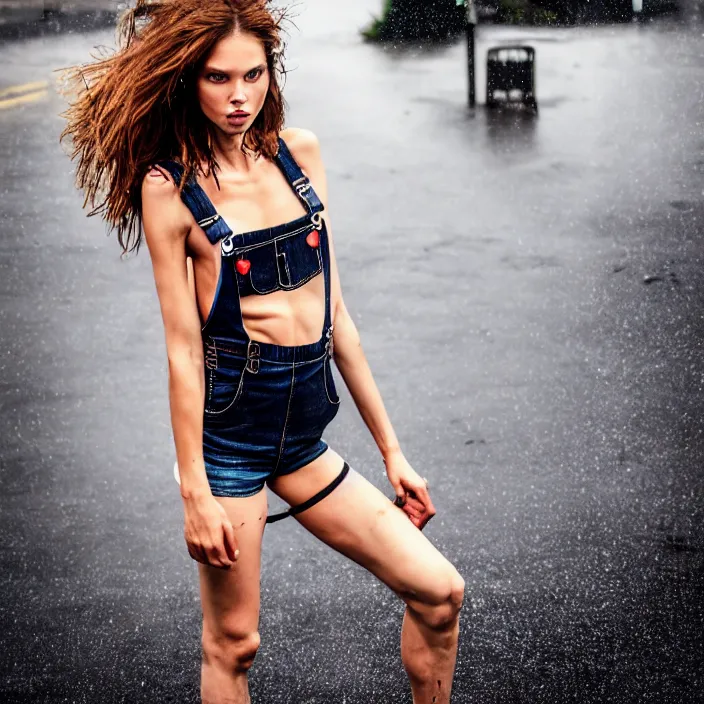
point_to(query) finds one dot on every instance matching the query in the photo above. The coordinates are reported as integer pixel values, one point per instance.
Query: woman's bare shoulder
(158, 183)
(303, 143)
(161, 201)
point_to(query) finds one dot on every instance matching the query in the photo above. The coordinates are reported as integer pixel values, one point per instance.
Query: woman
(180, 134)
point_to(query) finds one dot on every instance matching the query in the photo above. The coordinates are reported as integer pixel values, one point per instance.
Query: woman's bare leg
(359, 521)
(230, 603)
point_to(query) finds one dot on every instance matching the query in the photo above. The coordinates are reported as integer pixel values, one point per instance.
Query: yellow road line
(21, 99)
(25, 88)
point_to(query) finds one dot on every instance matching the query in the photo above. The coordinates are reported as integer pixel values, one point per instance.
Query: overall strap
(198, 203)
(301, 184)
(325, 254)
(298, 180)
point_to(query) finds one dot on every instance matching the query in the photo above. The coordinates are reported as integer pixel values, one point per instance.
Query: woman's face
(234, 79)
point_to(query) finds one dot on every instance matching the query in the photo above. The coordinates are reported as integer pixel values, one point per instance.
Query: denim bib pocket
(263, 273)
(283, 263)
(298, 261)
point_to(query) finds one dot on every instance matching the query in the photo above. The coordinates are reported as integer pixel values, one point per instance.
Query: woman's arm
(166, 228)
(167, 223)
(350, 358)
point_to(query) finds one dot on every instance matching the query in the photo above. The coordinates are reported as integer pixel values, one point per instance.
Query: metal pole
(471, 23)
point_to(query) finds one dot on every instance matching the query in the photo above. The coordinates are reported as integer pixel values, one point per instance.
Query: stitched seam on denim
(242, 351)
(307, 460)
(240, 250)
(230, 239)
(288, 411)
(278, 269)
(210, 387)
(325, 381)
(237, 395)
(297, 363)
(240, 496)
(300, 283)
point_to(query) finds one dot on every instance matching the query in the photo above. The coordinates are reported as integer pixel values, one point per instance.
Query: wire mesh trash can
(510, 76)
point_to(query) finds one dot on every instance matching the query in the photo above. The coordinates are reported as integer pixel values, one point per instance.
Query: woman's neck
(228, 153)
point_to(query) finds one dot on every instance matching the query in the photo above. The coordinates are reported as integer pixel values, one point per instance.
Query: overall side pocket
(223, 384)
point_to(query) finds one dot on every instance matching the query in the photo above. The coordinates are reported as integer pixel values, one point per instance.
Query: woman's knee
(440, 608)
(233, 650)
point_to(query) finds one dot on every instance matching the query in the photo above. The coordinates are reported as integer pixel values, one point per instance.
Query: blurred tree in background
(563, 11)
(573, 11)
(417, 19)
(442, 19)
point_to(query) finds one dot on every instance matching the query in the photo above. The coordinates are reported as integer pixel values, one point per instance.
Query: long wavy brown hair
(138, 105)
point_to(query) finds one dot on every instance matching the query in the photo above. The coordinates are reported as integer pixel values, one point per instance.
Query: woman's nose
(238, 96)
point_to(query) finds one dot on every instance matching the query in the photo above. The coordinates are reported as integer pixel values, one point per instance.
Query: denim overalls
(266, 405)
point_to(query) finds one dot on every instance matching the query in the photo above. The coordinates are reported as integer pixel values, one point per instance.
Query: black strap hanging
(314, 499)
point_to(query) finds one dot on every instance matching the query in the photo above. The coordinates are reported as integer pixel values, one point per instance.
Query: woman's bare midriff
(281, 318)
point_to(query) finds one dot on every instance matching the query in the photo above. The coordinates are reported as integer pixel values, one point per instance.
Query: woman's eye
(216, 77)
(254, 73)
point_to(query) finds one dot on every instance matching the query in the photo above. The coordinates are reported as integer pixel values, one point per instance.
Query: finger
(230, 541)
(399, 491)
(217, 556)
(424, 522)
(416, 503)
(413, 514)
(417, 522)
(413, 508)
(197, 553)
(422, 494)
(411, 511)
(421, 515)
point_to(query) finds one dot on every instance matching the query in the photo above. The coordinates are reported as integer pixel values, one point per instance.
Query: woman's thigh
(360, 522)
(230, 598)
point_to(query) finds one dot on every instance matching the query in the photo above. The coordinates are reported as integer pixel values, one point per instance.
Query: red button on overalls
(313, 238)
(243, 266)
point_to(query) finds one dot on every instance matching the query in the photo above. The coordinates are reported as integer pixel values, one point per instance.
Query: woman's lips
(237, 118)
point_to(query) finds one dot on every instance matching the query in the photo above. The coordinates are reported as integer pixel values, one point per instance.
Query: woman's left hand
(411, 490)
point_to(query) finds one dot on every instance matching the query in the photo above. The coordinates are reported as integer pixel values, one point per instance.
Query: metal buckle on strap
(253, 356)
(329, 343)
(317, 220)
(206, 222)
(211, 355)
(302, 185)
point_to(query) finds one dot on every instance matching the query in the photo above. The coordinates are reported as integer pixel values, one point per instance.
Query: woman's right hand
(208, 531)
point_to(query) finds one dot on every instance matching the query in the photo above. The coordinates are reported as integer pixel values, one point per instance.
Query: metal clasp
(253, 356)
(206, 222)
(317, 220)
(302, 185)
(211, 355)
(329, 343)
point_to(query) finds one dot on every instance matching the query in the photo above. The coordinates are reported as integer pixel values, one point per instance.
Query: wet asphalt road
(497, 268)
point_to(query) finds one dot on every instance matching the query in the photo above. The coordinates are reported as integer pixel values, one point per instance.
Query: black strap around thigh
(313, 499)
